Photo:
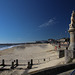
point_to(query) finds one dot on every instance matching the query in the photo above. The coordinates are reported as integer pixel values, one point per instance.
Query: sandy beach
(25, 53)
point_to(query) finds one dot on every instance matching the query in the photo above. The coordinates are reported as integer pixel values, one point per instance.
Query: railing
(11, 64)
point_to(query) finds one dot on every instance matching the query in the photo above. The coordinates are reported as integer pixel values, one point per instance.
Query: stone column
(72, 39)
(70, 53)
(72, 32)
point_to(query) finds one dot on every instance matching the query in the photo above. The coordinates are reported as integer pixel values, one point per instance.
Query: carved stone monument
(72, 32)
(70, 53)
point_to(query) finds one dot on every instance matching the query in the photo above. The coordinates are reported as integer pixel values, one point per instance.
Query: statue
(72, 20)
(70, 53)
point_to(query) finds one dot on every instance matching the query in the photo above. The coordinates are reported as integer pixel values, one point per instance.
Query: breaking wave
(6, 47)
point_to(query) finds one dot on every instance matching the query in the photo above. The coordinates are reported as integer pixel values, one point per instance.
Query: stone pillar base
(69, 55)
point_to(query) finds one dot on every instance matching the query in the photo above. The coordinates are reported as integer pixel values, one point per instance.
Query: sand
(31, 51)
(24, 53)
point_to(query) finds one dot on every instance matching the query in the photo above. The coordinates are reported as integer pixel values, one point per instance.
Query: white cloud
(50, 22)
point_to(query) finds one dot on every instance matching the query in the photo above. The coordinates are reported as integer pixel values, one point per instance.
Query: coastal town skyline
(33, 20)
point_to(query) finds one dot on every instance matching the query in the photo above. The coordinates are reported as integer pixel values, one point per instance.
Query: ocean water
(2, 47)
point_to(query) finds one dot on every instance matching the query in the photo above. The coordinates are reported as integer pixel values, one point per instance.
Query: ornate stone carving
(72, 20)
(70, 53)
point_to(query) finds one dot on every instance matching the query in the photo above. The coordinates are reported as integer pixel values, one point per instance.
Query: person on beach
(59, 46)
(55, 47)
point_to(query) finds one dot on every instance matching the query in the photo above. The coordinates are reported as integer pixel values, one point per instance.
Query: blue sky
(33, 20)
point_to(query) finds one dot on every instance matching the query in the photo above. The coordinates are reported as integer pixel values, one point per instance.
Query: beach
(43, 55)
(27, 52)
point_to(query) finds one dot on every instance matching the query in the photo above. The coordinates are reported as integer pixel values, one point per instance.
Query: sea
(2, 47)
